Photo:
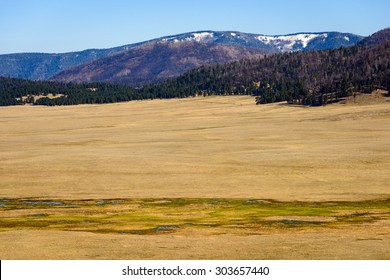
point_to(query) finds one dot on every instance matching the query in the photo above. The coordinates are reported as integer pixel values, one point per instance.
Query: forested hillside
(310, 78)
(19, 91)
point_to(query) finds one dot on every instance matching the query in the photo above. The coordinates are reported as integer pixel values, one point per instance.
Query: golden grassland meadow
(196, 178)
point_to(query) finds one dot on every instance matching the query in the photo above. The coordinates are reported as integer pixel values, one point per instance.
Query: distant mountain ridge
(276, 43)
(41, 66)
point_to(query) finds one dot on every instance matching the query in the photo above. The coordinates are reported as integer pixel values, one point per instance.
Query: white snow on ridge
(233, 34)
(287, 42)
(200, 36)
(169, 39)
(346, 38)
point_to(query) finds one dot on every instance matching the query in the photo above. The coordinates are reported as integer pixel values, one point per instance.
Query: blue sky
(72, 25)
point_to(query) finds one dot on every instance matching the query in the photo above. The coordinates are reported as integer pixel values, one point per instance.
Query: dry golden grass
(204, 147)
(353, 243)
(214, 147)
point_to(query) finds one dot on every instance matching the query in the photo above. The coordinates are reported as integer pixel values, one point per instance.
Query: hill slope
(156, 61)
(376, 38)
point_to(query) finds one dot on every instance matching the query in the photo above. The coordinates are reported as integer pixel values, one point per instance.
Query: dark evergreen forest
(307, 78)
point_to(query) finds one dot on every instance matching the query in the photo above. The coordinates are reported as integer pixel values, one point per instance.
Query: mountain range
(312, 78)
(159, 59)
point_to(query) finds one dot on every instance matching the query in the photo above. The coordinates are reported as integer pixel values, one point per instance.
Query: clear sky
(73, 25)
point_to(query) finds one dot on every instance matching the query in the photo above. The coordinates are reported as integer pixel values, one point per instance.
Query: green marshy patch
(167, 216)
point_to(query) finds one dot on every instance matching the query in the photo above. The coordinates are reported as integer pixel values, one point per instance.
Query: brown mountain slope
(155, 61)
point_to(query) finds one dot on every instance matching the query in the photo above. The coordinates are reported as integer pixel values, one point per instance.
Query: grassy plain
(197, 178)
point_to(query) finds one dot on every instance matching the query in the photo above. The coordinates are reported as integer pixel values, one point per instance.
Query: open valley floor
(196, 178)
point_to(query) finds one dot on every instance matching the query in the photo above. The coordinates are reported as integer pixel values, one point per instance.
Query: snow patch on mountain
(199, 37)
(290, 42)
(169, 39)
(276, 43)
